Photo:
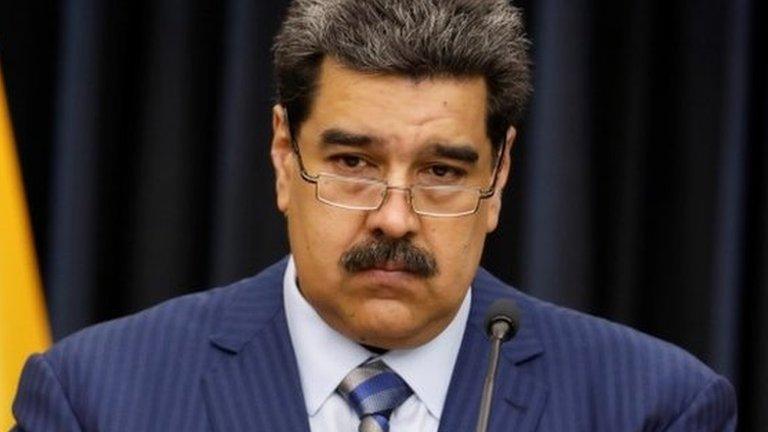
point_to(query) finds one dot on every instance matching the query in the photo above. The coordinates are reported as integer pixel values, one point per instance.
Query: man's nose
(395, 218)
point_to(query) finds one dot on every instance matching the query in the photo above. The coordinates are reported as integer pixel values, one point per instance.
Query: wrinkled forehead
(397, 112)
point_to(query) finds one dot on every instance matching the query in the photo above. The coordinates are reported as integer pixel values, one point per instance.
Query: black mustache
(377, 252)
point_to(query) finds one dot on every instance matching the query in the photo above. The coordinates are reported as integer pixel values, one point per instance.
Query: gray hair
(414, 38)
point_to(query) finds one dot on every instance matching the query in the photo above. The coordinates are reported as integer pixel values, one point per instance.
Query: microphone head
(505, 310)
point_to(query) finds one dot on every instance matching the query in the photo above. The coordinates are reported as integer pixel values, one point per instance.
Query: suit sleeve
(712, 410)
(41, 404)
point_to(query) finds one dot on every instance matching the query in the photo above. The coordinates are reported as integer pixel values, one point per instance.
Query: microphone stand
(499, 330)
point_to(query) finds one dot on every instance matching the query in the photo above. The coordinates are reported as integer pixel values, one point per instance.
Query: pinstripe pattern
(222, 361)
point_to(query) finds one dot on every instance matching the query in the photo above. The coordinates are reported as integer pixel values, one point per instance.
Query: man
(391, 147)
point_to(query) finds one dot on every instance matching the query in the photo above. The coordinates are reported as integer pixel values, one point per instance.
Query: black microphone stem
(499, 331)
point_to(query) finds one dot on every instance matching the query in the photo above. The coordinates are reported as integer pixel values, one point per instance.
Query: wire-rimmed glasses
(367, 194)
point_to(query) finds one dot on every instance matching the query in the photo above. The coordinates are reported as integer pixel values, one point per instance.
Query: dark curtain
(639, 192)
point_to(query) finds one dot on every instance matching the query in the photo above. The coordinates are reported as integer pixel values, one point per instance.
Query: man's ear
(282, 156)
(494, 202)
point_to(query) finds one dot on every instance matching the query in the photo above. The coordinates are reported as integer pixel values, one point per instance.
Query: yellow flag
(23, 322)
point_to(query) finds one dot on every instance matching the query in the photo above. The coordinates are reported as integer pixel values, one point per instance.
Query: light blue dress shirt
(325, 357)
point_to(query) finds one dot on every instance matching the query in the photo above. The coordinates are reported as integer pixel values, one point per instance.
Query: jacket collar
(254, 344)
(250, 305)
(255, 301)
(519, 397)
(253, 380)
(487, 289)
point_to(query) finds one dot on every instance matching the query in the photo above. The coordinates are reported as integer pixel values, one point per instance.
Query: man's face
(403, 132)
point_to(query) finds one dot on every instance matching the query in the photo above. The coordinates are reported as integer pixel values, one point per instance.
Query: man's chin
(389, 327)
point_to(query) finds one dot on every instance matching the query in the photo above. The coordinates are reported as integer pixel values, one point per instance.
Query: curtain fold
(244, 234)
(71, 261)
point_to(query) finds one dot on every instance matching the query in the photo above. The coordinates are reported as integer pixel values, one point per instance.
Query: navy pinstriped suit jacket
(222, 361)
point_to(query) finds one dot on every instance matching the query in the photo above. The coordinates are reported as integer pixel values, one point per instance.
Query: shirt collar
(427, 369)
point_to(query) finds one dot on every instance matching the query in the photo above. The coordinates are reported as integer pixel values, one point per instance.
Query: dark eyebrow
(336, 136)
(462, 152)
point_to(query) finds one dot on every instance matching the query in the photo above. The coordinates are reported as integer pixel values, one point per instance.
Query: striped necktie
(374, 391)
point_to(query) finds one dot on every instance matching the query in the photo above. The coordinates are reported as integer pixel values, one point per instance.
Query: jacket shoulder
(589, 363)
(184, 320)
(615, 366)
(149, 364)
(565, 332)
(149, 352)
(182, 317)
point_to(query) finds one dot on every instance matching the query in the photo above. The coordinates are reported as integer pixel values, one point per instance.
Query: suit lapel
(253, 383)
(519, 398)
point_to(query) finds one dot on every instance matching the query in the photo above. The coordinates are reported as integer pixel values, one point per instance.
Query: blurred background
(639, 191)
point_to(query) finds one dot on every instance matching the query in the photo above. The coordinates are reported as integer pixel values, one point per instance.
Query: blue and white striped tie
(374, 391)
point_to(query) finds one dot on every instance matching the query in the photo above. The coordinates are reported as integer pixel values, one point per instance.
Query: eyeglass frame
(315, 178)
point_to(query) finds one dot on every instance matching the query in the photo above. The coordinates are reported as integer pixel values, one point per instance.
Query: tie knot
(374, 390)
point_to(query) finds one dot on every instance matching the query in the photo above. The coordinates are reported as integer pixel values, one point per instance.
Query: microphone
(501, 324)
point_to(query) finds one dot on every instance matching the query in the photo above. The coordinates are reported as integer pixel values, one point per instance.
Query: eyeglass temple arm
(295, 146)
(487, 193)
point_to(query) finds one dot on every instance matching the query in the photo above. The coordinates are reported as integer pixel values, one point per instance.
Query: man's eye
(445, 171)
(351, 161)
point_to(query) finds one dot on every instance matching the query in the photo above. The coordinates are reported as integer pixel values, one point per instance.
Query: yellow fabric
(23, 322)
